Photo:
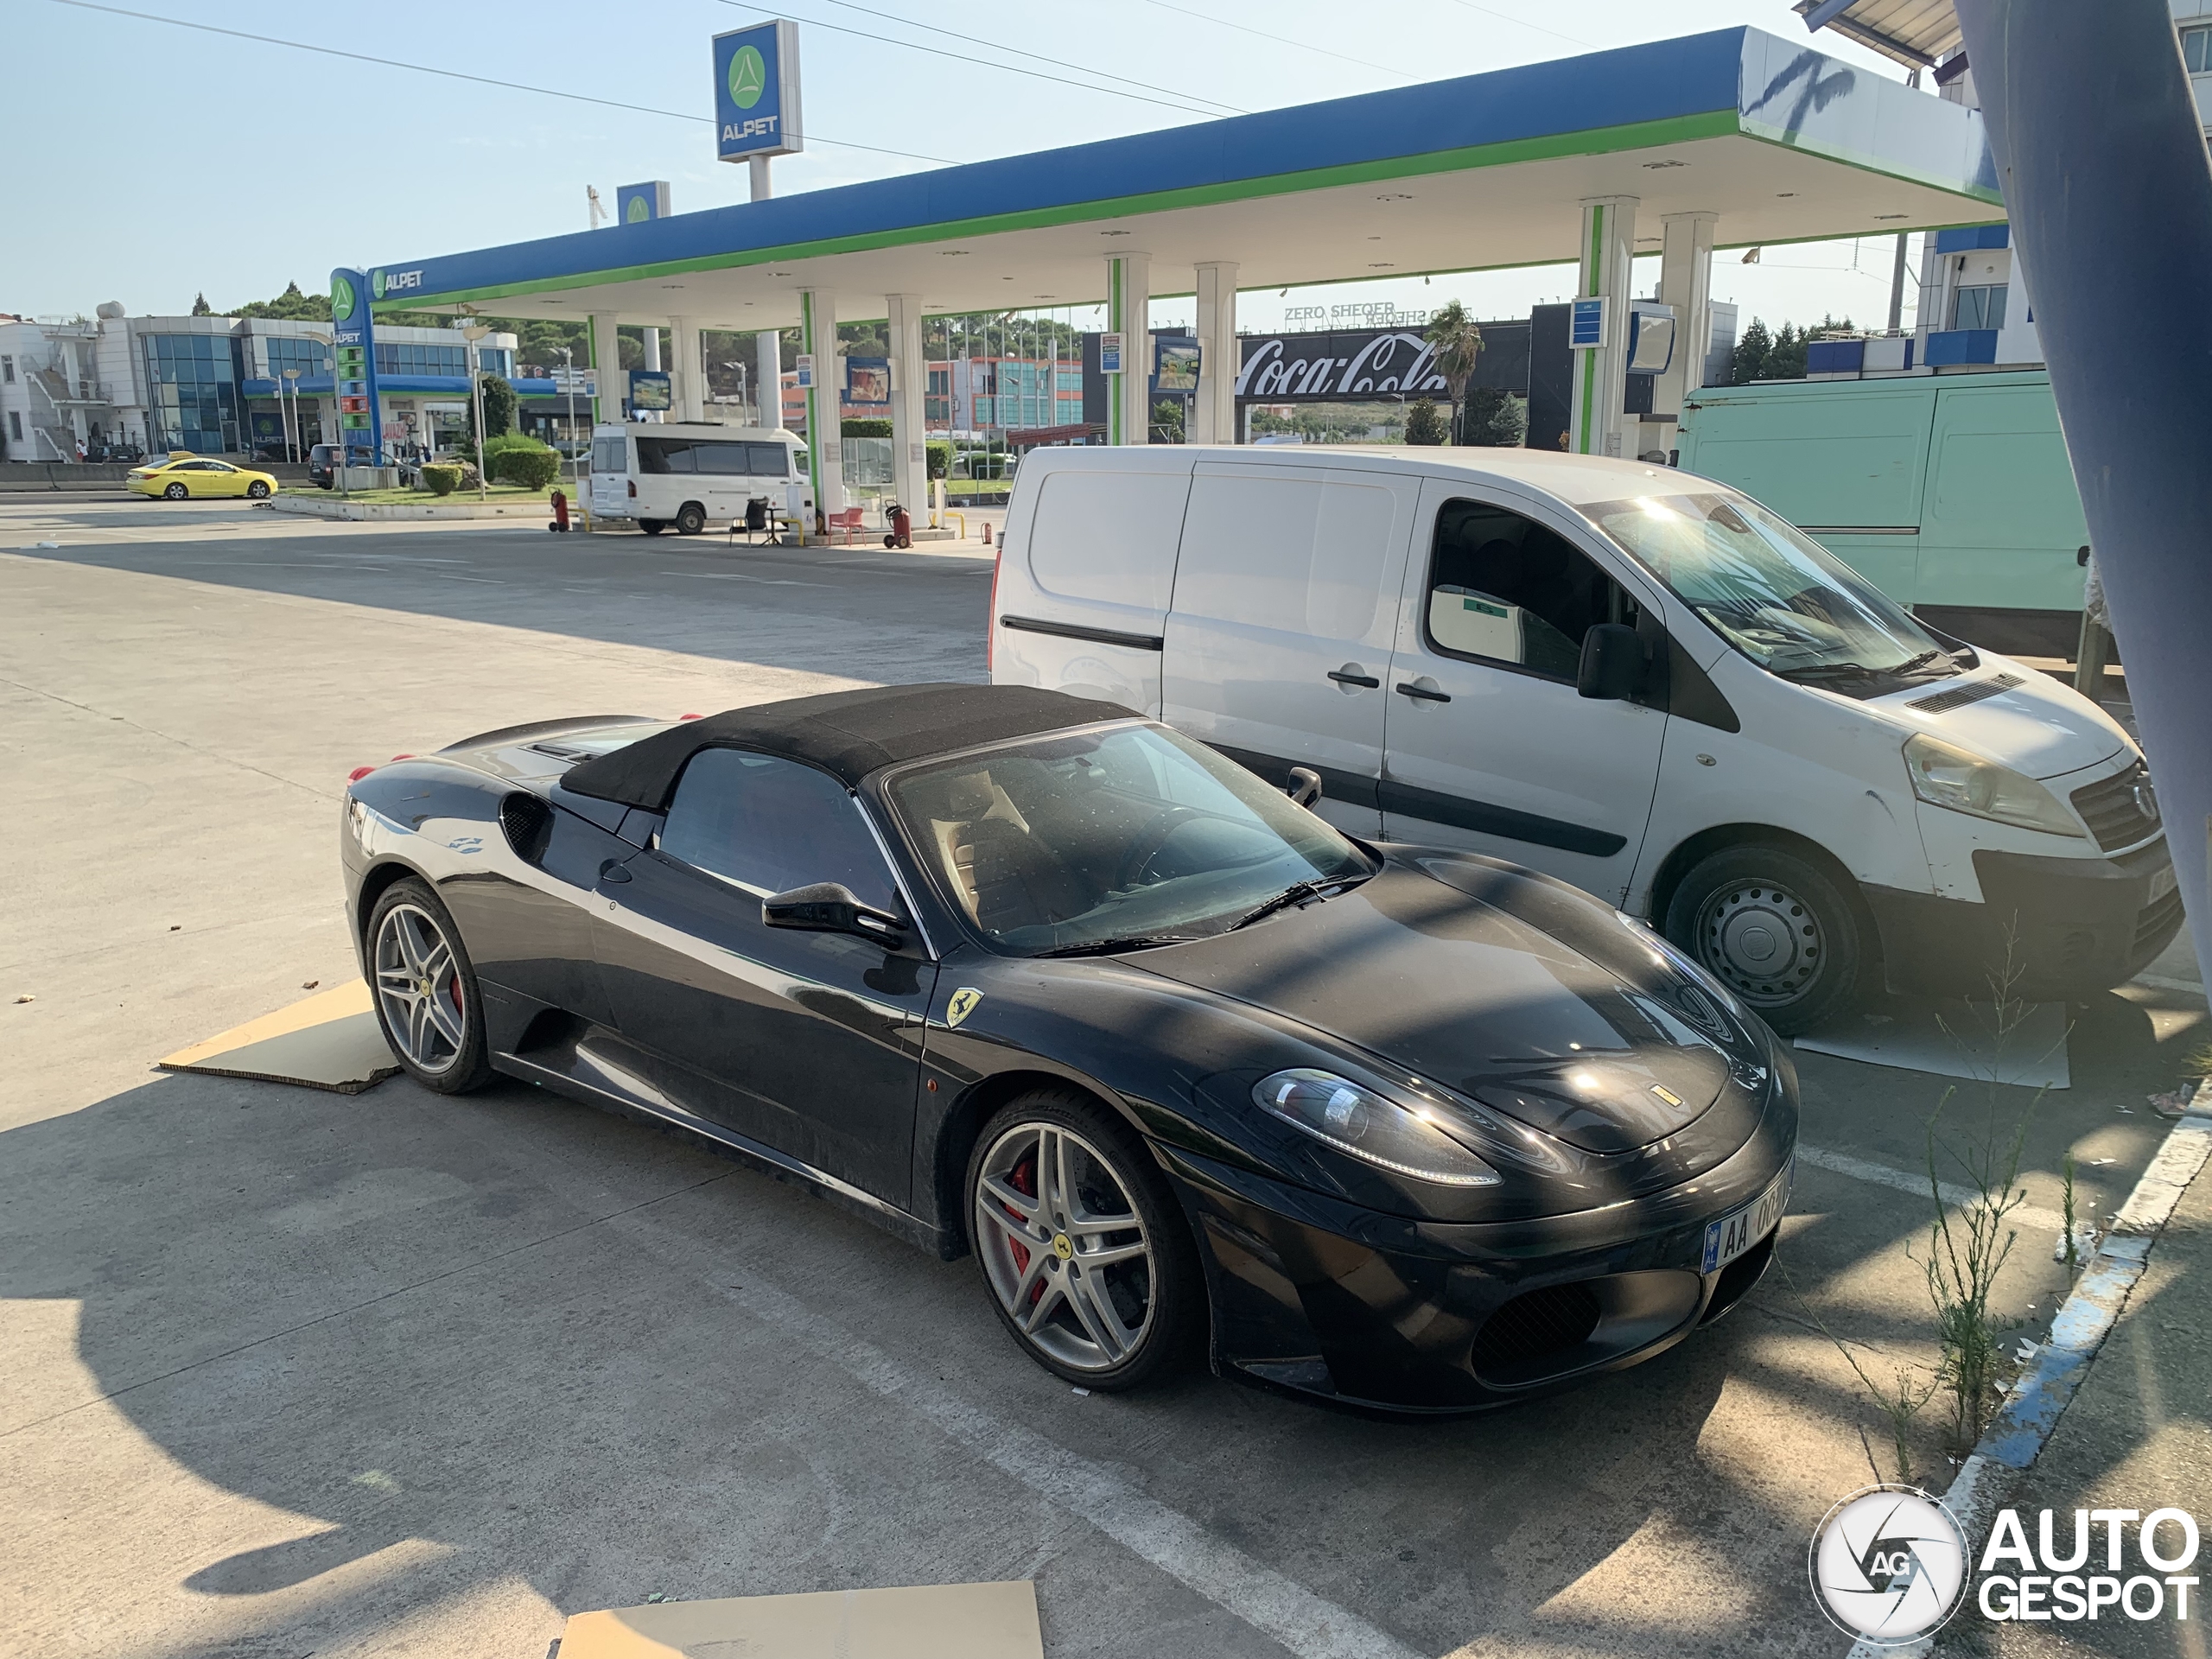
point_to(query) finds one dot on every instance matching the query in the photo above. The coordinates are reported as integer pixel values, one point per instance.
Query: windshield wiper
(1830, 671)
(1115, 947)
(1297, 893)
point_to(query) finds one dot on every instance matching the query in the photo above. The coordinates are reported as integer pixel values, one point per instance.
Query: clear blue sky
(173, 161)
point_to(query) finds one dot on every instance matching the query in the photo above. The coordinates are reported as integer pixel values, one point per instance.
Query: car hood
(2035, 726)
(1501, 987)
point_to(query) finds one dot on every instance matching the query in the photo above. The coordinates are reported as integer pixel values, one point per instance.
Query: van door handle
(1344, 676)
(1423, 693)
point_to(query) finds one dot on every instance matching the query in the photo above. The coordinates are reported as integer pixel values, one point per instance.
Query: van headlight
(1404, 1140)
(1945, 775)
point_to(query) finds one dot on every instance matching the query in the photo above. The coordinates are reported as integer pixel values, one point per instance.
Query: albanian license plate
(1730, 1236)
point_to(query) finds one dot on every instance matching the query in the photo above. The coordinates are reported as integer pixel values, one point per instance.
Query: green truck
(1951, 493)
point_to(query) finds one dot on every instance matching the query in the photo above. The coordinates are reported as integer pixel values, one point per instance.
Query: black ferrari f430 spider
(1184, 1067)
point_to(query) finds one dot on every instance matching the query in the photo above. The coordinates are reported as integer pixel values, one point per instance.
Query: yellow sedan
(194, 476)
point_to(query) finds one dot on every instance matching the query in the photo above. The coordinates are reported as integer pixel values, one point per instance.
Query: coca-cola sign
(1371, 366)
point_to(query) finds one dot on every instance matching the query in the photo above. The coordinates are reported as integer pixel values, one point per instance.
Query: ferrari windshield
(1131, 836)
(1772, 592)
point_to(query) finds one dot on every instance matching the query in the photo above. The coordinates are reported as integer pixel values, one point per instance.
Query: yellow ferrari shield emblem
(962, 1005)
(1063, 1246)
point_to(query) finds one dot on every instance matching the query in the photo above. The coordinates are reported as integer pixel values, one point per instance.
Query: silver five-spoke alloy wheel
(1063, 1247)
(419, 988)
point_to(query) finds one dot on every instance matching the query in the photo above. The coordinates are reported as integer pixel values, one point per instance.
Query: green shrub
(441, 479)
(939, 457)
(522, 462)
(864, 426)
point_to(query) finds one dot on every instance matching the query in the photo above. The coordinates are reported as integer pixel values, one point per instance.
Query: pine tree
(1749, 361)
(201, 308)
(1787, 360)
(1424, 422)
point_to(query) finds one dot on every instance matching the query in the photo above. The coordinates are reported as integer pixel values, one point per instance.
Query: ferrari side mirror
(832, 907)
(1304, 787)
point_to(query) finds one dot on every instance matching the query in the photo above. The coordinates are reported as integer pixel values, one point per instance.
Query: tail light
(682, 717)
(633, 489)
(400, 757)
(358, 773)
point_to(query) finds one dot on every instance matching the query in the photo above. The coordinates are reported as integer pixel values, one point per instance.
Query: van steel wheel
(690, 519)
(1082, 1248)
(1775, 930)
(425, 991)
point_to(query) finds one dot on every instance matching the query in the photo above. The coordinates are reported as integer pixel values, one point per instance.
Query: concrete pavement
(286, 1373)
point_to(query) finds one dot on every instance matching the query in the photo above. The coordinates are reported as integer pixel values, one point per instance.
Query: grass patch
(460, 498)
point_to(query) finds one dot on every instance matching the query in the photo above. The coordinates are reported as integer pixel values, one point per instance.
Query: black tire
(652, 526)
(1170, 1290)
(177, 491)
(469, 1066)
(690, 519)
(258, 491)
(1776, 930)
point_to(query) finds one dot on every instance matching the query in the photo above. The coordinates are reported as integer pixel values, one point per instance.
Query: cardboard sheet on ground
(1953, 1039)
(330, 1041)
(939, 1621)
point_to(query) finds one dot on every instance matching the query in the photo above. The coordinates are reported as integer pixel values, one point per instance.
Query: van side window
(664, 455)
(1505, 588)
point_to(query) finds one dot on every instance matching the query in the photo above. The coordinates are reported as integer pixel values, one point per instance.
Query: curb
(2023, 1425)
(308, 507)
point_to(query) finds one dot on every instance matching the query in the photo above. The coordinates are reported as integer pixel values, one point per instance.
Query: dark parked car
(1015, 973)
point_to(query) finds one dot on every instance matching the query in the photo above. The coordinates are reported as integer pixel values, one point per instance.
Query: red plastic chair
(849, 521)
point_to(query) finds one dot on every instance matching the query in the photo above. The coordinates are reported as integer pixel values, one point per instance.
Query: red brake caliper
(1023, 1179)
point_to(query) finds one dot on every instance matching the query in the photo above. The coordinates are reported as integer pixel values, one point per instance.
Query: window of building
(408, 358)
(7, 370)
(193, 381)
(16, 425)
(1503, 587)
(2196, 50)
(289, 352)
(1978, 307)
(769, 825)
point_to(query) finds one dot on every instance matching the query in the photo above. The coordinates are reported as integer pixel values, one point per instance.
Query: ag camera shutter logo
(1889, 1564)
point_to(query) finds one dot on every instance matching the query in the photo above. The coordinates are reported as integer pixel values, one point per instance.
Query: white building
(219, 386)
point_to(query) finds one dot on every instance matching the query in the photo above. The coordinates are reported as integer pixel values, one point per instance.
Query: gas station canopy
(1780, 142)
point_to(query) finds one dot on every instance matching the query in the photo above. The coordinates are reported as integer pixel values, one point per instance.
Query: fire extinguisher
(560, 513)
(902, 527)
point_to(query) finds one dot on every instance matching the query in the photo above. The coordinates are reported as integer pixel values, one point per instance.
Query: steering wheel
(1147, 843)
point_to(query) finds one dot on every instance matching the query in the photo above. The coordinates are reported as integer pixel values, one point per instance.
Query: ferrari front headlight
(1404, 1140)
(1945, 775)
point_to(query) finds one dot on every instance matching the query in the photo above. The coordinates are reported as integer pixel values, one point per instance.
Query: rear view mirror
(1612, 661)
(1304, 787)
(832, 907)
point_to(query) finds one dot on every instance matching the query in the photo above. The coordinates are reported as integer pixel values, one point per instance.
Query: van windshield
(1098, 841)
(1775, 594)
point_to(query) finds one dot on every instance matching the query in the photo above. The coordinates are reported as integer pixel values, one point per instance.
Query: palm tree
(1457, 344)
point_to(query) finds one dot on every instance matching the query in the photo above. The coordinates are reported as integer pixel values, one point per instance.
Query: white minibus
(1636, 680)
(689, 473)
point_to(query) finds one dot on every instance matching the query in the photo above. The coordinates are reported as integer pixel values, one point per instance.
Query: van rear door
(1284, 614)
(1084, 572)
(1488, 745)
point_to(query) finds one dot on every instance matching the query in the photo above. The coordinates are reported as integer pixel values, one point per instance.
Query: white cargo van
(689, 473)
(1636, 680)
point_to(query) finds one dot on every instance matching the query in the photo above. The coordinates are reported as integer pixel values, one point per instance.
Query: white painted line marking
(1306, 1623)
(2161, 983)
(1958, 1198)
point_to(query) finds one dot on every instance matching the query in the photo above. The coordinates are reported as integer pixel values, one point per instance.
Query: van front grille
(2121, 810)
(2157, 916)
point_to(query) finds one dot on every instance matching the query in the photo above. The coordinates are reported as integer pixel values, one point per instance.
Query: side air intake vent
(528, 823)
(1960, 695)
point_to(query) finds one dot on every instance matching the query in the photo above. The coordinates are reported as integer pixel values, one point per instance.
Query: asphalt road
(284, 1373)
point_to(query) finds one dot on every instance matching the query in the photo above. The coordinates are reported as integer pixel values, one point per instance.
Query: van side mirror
(1304, 787)
(1612, 661)
(832, 907)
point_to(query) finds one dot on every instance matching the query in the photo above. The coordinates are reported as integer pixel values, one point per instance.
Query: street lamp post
(473, 334)
(290, 413)
(569, 379)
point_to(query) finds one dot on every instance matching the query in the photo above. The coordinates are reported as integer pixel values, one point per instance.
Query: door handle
(1344, 676)
(1422, 693)
(613, 871)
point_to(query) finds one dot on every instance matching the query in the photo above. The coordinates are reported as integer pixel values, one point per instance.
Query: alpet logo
(748, 77)
(2049, 1585)
(341, 298)
(1888, 1565)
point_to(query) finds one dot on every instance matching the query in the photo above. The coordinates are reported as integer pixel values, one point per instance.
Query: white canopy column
(690, 370)
(1213, 411)
(652, 347)
(909, 381)
(607, 365)
(1128, 313)
(1595, 422)
(769, 378)
(817, 340)
(1685, 284)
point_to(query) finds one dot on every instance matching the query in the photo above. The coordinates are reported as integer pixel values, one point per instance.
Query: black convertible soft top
(846, 734)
